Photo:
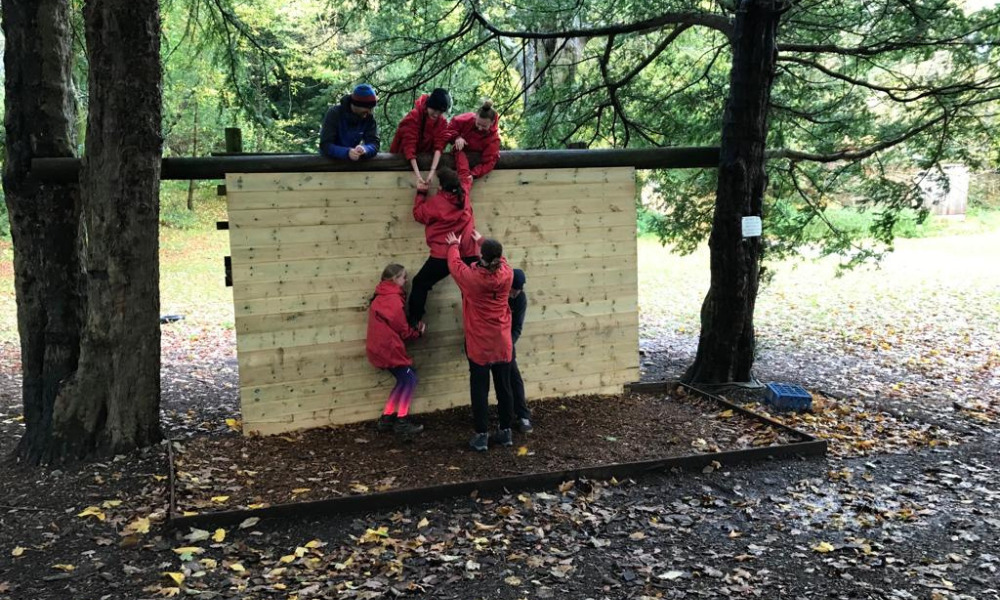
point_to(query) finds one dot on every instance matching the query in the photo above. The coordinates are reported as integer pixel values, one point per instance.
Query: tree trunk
(726, 345)
(44, 217)
(194, 152)
(112, 402)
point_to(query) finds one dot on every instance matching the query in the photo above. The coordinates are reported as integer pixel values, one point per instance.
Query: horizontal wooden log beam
(64, 170)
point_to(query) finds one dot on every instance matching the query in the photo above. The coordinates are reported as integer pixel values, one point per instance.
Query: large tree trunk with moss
(112, 402)
(40, 117)
(726, 345)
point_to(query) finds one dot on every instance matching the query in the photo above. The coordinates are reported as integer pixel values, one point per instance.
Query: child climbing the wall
(423, 130)
(388, 331)
(486, 319)
(448, 211)
(477, 132)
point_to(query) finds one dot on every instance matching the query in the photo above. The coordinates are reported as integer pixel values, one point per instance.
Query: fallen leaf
(513, 581)
(522, 451)
(169, 592)
(140, 525)
(314, 544)
(197, 535)
(301, 490)
(63, 567)
(237, 567)
(638, 535)
(287, 558)
(233, 424)
(111, 503)
(423, 523)
(177, 577)
(249, 522)
(566, 486)
(187, 551)
(17, 551)
(671, 575)
(219, 499)
(725, 415)
(92, 511)
(823, 547)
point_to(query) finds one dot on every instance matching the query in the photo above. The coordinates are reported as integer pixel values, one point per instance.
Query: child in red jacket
(423, 130)
(477, 132)
(486, 318)
(448, 211)
(385, 345)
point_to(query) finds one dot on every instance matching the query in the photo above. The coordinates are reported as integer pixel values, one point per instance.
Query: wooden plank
(489, 206)
(501, 227)
(278, 322)
(360, 299)
(451, 368)
(305, 421)
(237, 183)
(450, 391)
(538, 262)
(603, 326)
(350, 359)
(553, 278)
(397, 248)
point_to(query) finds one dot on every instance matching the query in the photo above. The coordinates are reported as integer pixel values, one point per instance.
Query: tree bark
(44, 217)
(726, 344)
(111, 404)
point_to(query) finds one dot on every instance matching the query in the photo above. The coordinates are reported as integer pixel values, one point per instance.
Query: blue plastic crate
(787, 396)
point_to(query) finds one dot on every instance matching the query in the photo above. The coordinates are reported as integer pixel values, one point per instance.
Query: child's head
(449, 182)
(491, 251)
(485, 116)
(395, 273)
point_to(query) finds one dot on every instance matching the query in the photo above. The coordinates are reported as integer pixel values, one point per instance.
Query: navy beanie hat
(439, 100)
(518, 280)
(364, 96)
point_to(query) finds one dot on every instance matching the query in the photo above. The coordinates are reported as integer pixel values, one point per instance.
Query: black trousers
(479, 387)
(433, 271)
(517, 392)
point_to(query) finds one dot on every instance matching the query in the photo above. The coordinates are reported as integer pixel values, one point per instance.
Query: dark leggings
(433, 271)
(517, 392)
(399, 399)
(479, 387)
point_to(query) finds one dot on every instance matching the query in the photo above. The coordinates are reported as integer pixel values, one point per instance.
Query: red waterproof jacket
(442, 214)
(388, 329)
(485, 310)
(417, 132)
(488, 142)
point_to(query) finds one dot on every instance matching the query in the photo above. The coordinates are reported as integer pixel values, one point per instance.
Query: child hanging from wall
(477, 132)
(486, 319)
(423, 130)
(388, 331)
(448, 211)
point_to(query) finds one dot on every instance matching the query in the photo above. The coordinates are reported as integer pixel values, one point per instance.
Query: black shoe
(523, 425)
(404, 426)
(503, 437)
(480, 442)
(385, 423)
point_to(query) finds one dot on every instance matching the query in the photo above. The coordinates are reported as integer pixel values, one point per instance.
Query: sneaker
(480, 442)
(523, 425)
(503, 437)
(385, 423)
(404, 426)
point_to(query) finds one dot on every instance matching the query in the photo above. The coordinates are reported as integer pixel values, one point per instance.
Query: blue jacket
(518, 308)
(343, 130)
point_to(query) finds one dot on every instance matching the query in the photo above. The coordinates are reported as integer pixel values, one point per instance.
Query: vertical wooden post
(234, 140)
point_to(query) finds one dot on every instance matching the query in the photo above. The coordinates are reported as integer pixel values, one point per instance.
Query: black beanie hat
(439, 100)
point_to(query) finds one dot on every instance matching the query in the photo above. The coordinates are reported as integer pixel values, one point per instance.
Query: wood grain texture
(308, 250)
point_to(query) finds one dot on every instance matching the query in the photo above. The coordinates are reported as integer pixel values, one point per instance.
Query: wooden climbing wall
(308, 250)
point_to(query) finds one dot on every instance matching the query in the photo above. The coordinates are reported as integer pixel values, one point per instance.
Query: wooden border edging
(65, 170)
(812, 446)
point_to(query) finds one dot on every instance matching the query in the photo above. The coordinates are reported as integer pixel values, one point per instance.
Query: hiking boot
(385, 423)
(503, 437)
(480, 442)
(404, 426)
(523, 425)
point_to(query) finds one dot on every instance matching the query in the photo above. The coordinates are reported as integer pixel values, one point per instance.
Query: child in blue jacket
(349, 128)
